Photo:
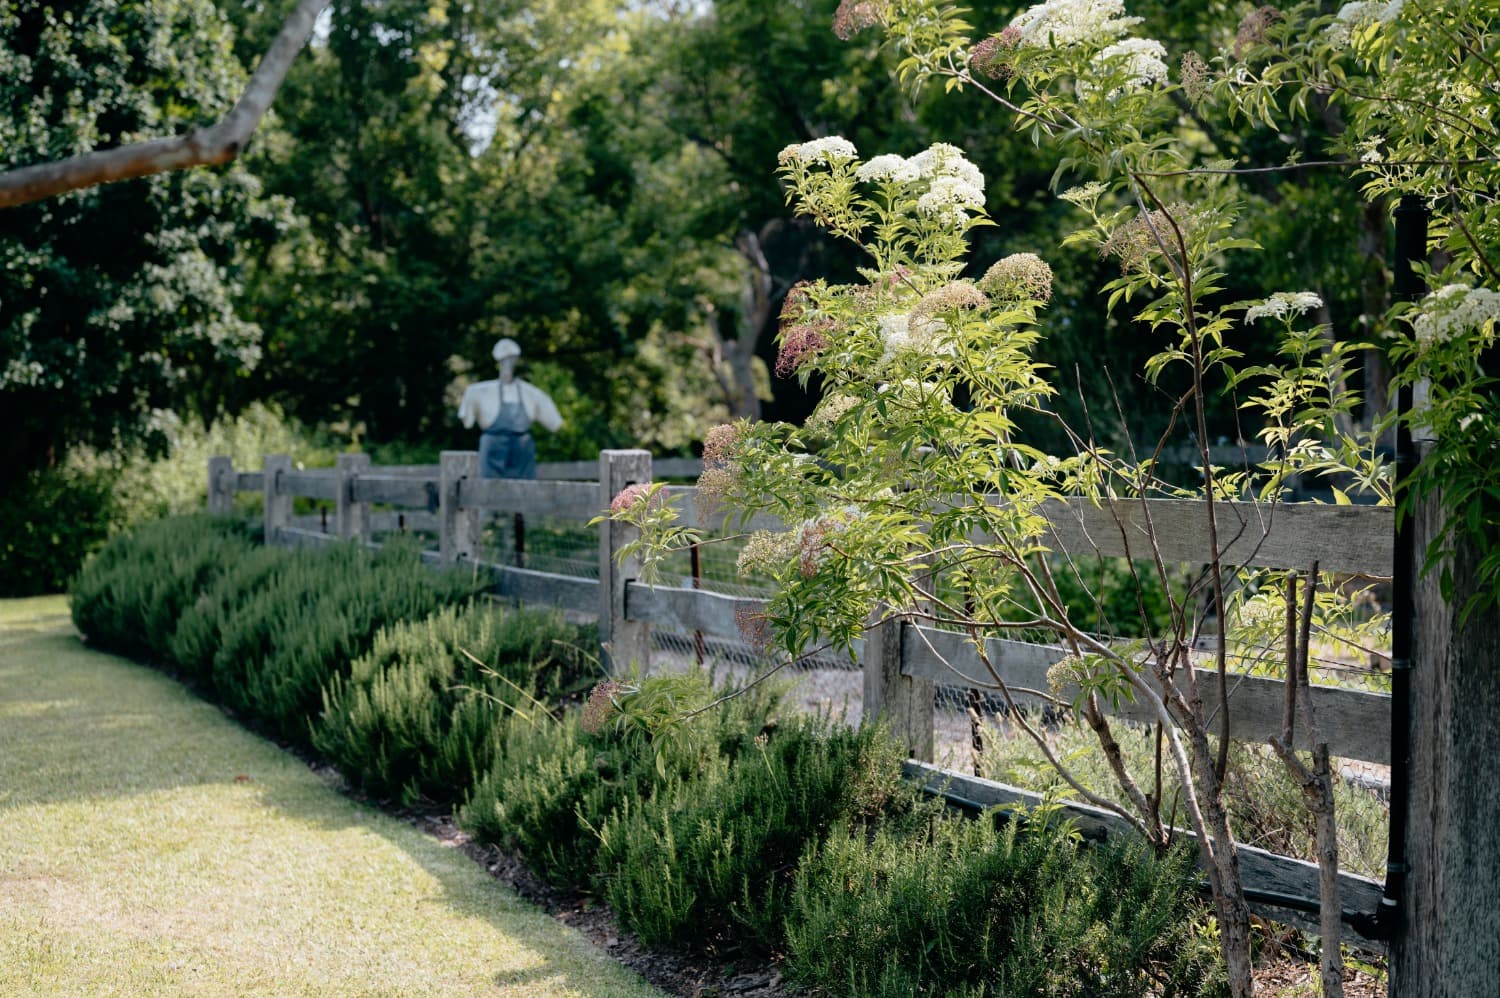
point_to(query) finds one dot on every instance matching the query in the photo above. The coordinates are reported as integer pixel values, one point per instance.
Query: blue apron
(506, 449)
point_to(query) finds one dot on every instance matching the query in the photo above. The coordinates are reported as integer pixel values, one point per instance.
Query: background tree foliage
(119, 301)
(595, 179)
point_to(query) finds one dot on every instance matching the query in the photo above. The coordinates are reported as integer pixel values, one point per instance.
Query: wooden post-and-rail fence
(901, 661)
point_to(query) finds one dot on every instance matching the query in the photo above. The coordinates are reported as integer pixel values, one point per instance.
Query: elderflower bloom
(22, 372)
(954, 297)
(854, 16)
(766, 550)
(1084, 193)
(943, 160)
(888, 167)
(1284, 304)
(721, 444)
(895, 333)
(949, 200)
(1143, 59)
(825, 150)
(601, 706)
(830, 411)
(815, 538)
(1455, 309)
(1063, 23)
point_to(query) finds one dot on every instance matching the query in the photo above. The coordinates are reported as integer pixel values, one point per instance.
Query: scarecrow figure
(506, 408)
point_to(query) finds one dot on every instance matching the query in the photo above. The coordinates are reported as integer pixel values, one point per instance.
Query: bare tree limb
(211, 146)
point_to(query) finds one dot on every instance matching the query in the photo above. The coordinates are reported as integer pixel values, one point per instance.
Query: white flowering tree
(913, 488)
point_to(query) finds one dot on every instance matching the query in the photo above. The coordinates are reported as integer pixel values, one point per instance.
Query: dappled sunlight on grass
(150, 845)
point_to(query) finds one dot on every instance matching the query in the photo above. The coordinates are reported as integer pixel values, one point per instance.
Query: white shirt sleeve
(540, 408)
(468, 407)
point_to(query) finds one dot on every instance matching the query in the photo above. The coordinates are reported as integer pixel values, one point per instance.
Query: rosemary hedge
(991, 907)
(311, 619)
(700, 863)
(260, 629)
(421, 715)
(129, 597)
(557, 780)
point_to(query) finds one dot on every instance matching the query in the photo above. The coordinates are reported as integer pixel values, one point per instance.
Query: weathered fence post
(1445, 859)
(220, 485)
(278, 507)
(621, 641)
(1449, 935)
(904, 703)
(353, 517)
(458, 528)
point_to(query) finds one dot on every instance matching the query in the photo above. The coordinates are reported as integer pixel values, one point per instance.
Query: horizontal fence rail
(1356, 724)
(1351, 540)
(566, 500)
(395, 490)
(901, 659)
(312, 484)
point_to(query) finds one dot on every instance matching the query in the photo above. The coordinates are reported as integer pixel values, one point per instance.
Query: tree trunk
(1229, 888)
(736, 348)
(1450, 940)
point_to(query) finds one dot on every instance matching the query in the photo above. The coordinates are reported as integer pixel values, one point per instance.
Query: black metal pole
(695, 559)
(520, 541)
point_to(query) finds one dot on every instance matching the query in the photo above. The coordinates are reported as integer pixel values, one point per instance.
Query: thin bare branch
(211, 146)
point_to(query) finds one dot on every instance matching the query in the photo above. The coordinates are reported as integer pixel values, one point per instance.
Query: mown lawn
(149, 845)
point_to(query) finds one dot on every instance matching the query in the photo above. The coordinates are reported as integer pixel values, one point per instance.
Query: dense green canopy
(595, 179)
(119, 301)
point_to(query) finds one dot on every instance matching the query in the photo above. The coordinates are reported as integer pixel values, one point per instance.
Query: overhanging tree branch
(211, 146)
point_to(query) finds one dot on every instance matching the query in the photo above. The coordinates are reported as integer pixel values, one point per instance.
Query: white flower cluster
(954, 185)
(22, 372)
(1284, 304)
(829, 411)
(1454, 309)
(825, 150)
(814, 537)
(949, 199)
(889, 167)
(1143, 59)
(943, 160)
(1370, 149)
(1019, 277)
(904, 331)
(1061, 23)
(1084, 194)
(1360, 13)
(895, 333)
(766, 550)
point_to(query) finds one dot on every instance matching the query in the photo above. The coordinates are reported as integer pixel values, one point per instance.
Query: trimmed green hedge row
(419, 716)
(745, 830)
(261, 630)
(712, 818)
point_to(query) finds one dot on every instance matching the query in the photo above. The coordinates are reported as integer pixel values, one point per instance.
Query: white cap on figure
(506, 347)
